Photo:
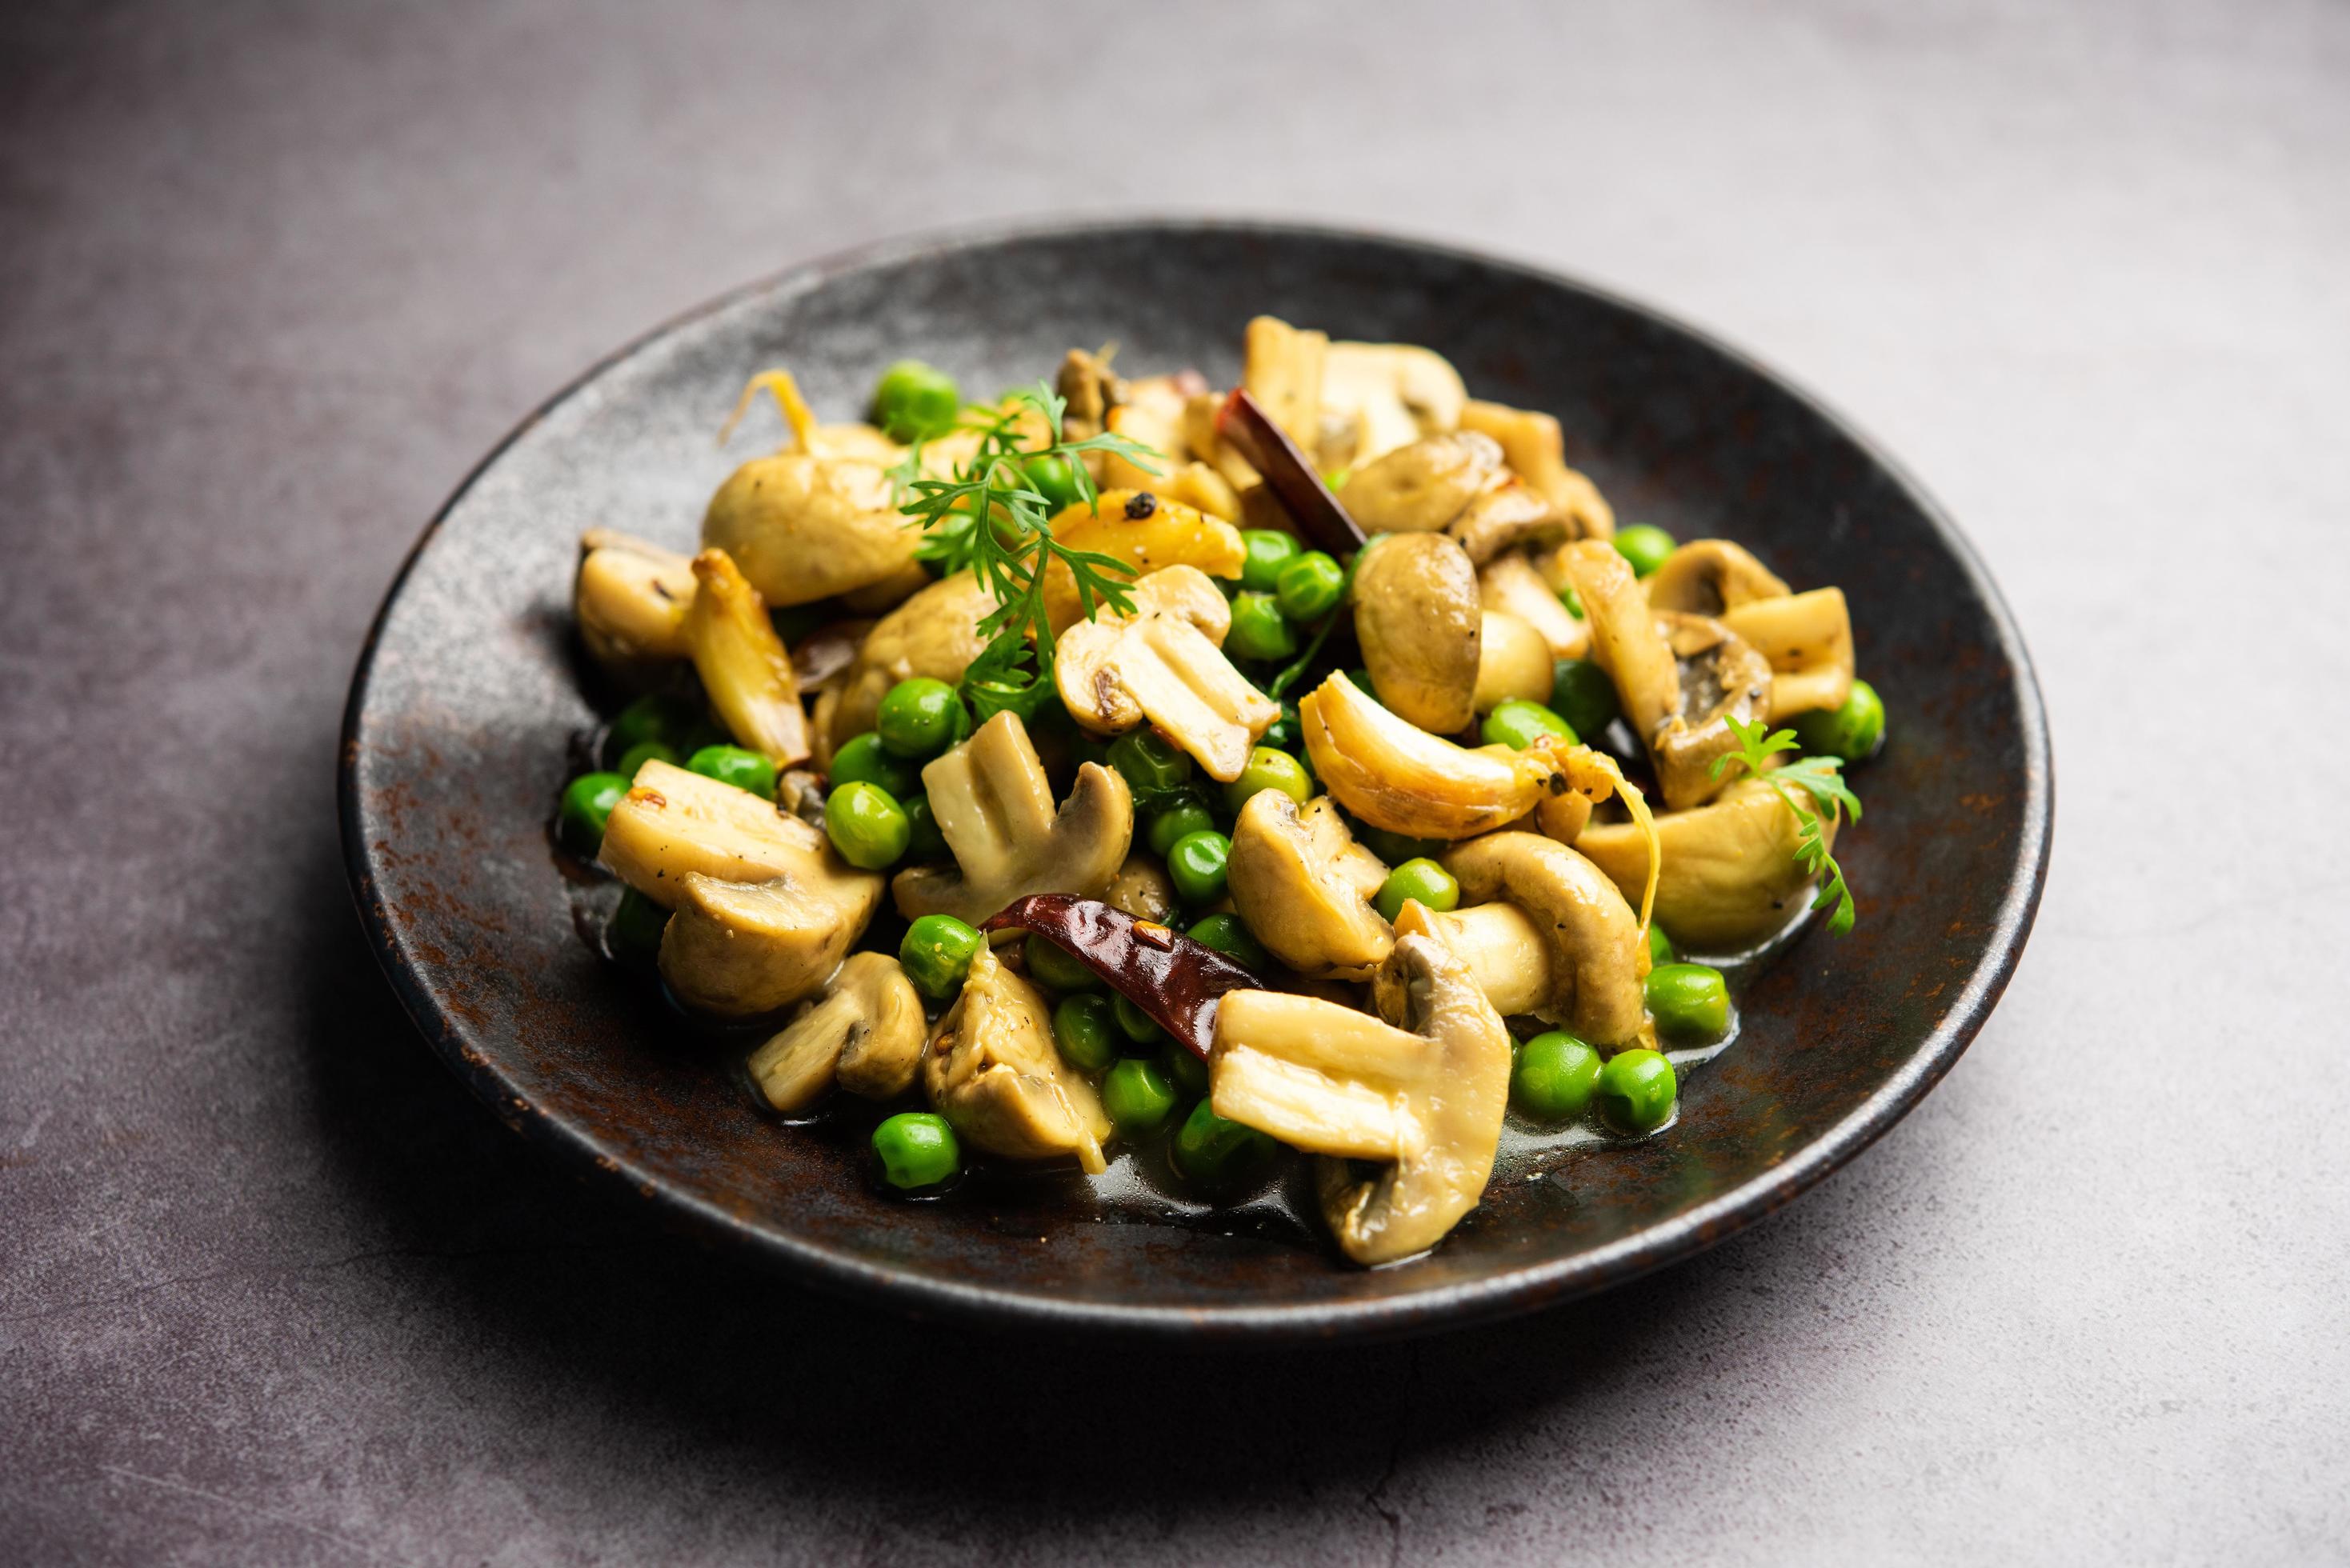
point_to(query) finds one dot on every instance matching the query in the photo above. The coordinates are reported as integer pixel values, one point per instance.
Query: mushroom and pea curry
(1312, 766)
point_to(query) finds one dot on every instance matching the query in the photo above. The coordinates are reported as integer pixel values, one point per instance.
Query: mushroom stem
(1501, 945)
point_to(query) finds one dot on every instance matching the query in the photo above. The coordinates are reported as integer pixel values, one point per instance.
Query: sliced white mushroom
(1536, 449)
(1514, 662)
(994, 808)
(1162, 663)
(1421, 1093)
(865, 1033)
(993, 1072)
(1152, 416)
(1393, 774)
(1417, 618)
(1376, 397)
(935, 633)
(1807, 639)
(631, 598)
(1281, 367)
(741, 948)
(672, 824)
(1305, 886)
(1511, 584)
(1457, 484)
(1707, 577)
(808, 525)
(743, 664)
(1728, 875)
(1588, 949)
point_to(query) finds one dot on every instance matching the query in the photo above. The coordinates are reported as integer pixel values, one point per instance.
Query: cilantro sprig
(1821, 778)
(991, 518)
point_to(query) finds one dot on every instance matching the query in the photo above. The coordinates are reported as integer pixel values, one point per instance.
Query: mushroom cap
(630, 597)
(805, 527)
(1728, 876)
(1455, 1111)
(1510, 584)
(1719, 677)
(1707, 577)
(993, 1072)
(1418, 616)
(1169, 534)
(1514, 662)
(1592, 935)
(1396, 776)
(672, 823)
(1422, 487)
(741, 948)
(934, 633)
(1383, 396)
(1304, 886)
(1807, 640)
(1504, 517)
(865, 1033)
(995, 808)
(1536, 449)
(1142, 889)
(1161, 664)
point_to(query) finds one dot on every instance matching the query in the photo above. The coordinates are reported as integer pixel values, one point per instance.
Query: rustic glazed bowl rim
(1445, 1306)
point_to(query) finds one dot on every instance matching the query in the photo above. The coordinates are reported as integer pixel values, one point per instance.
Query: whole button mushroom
(630, 597)
(934, 634)
(1730, 875)
(1417, 616)
(1305, 886)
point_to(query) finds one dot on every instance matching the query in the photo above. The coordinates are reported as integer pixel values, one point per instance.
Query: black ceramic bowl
(469, 694)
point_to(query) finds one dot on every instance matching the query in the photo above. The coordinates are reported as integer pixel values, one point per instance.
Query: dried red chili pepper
(1178, 981)
(1244, 422)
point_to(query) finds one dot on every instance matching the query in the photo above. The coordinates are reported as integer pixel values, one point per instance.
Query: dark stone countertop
(277, 1289)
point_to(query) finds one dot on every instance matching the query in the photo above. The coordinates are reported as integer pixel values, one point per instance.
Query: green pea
(1259, 629)
(1220, 1154)
(862, 759)
(587, 802)
(663, 719)
(1185, 1070)
(1554, 1075)
(1689, 1001)
(1054, 480)
(923, 840)
(1520, 723)
(1136, 1024)
(936, 951)
(1420, 879)
(1268, 769)
(1636, 1091)
(644, 752)
(1581, 693)
(1086, 1030)
(1394, 847)
(742, 768)
(1196, 866)
(1055, 970)
(1646, 546)
(921, 718)
(1137, 1096)
(1229, 935)
(1660, 946)
(914, 400)
(634, 933)
(1853, 730)
(866, 825)
(916, 1149)
(1172, 822)
(1267, 551)
(1308, 586)
(1150, 762)
(1573, 601)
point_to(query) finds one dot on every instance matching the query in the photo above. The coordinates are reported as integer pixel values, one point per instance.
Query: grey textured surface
(277, 1289)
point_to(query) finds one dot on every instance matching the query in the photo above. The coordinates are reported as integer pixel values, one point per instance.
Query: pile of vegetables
(1262, 769)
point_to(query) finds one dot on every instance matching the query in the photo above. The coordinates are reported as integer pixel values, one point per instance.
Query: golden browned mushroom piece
(865, 1032)
(935, 633)
(1457, 484)
(1417, 617)
(1422, 1094)
(1807, 639)
(1536, 449)
(1146, 531)
(1511, 584)
(1730, 875)
(741, 948)
(1545, 931)
(1376, 397)
(1707, 577)
(631, 596)
(673, 823)
(1163, 663)
(1305, 886)
(1393, 774)
(992, 1071)
(1680, 676)
(1282, 369)
(743, 664)
(805, 525)
(994, 809)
